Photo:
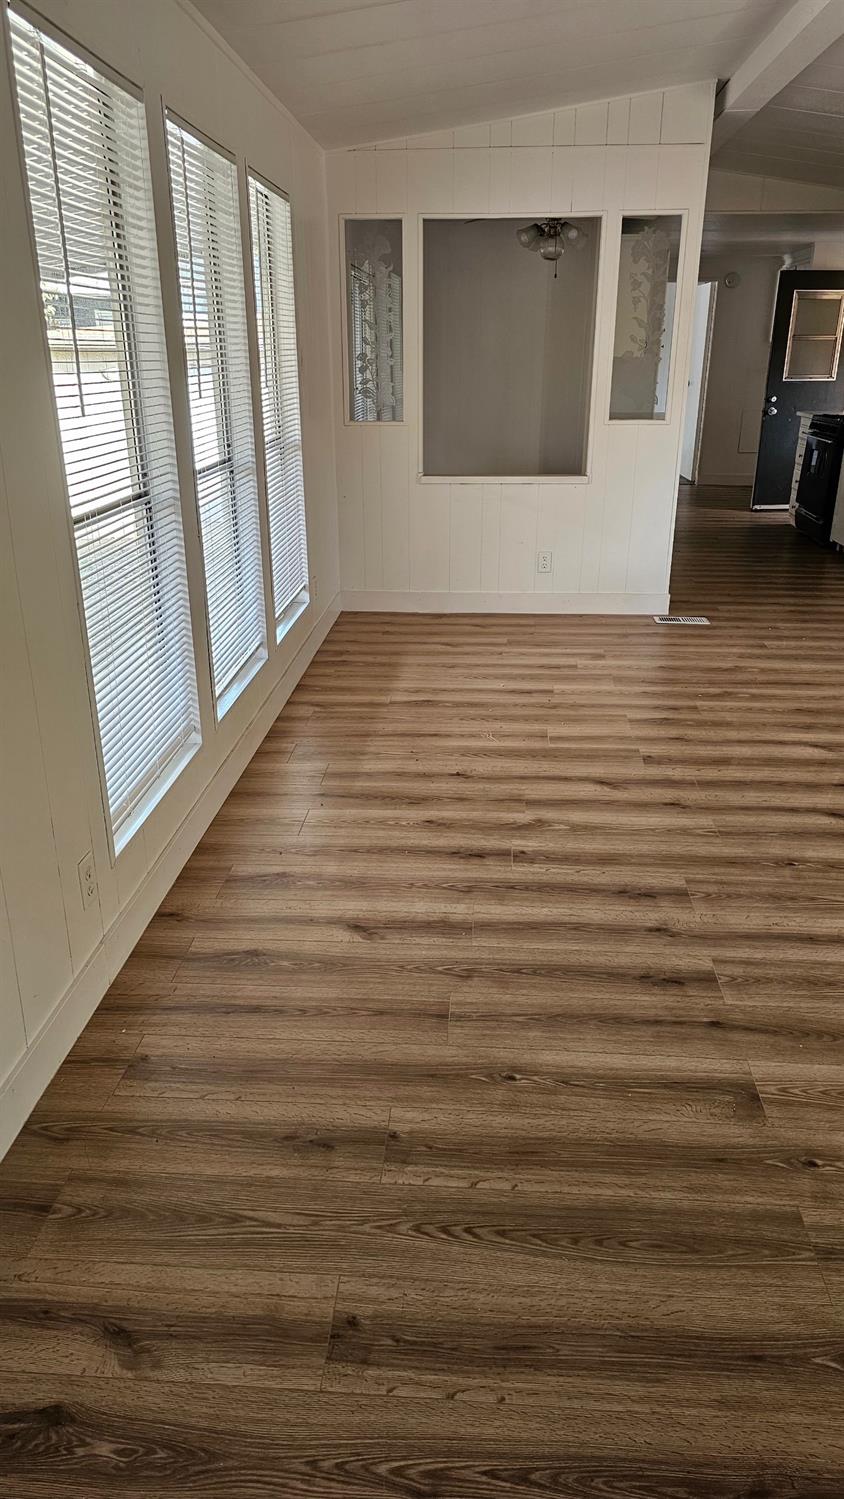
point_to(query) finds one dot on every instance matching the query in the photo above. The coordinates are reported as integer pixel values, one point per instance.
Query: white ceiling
(353, 72)
(800, 133)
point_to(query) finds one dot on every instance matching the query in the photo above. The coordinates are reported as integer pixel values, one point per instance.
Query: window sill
(248, 670)
(288, 617)
(123, 836)
(499, 479)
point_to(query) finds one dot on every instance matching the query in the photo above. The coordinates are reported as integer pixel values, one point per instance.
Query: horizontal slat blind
(88, 176)
(272, 260)
(206, 214)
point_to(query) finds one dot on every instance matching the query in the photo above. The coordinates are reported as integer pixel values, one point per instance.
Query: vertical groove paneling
(490, 536)
(394, 480)
(391, 181)
(366, 188)
(609, 533)
(472, 179)
(466, 538)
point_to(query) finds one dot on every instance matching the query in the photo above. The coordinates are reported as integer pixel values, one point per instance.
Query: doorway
(748, 256)
(698, 376)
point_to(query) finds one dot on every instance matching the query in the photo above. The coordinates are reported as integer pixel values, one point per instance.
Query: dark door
(805, 373)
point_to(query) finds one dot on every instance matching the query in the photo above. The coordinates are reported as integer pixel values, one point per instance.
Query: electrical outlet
(545, 562)
(87, 880)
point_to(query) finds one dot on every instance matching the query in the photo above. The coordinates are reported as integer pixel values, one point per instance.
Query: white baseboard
(373, 600)
(24, 1086)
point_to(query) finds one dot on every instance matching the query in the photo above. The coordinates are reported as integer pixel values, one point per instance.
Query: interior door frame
(712, 283)
(802, 278)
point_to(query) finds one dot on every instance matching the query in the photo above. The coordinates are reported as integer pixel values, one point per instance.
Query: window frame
(120, 831)
(345, 330)
(604, 262)
(278, 623)
(657, 423)
(814, 294)
(223, 700)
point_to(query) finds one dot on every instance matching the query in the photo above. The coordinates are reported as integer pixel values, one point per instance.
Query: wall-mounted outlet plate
(87, 879)
(545, 562)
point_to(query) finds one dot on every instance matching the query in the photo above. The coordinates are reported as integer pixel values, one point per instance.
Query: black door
(805, 373)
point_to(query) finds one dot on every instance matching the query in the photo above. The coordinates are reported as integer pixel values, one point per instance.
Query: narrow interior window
(644, 317)
(275, 306)
(88, 175)
(206, 214)
(374, 319)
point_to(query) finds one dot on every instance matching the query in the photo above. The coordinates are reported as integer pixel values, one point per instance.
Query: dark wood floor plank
(90, 1435)
(136, 1323)
(516, 1150)
(209, 1136)
(472, 1342)
(296, 1227)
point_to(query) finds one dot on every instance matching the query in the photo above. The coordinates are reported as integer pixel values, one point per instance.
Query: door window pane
(644, 317)
(374, 319)
(814, 338)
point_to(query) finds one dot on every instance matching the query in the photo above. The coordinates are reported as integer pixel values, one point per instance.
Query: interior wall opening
(508, 330)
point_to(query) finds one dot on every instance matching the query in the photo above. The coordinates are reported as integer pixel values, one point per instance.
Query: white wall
(738, 367)
(57, 959)
(828, 254)
(743, 192)
(407, 543)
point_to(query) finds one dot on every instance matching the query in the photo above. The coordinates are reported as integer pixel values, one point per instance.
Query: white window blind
(206, 215)
(272, 260)
(88, 175)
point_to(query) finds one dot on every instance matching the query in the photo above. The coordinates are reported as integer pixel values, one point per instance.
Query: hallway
(479, 1082)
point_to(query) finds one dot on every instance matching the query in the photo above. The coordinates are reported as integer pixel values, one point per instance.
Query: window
(272, 262)
(206, 214)
(644, 317)
(88, 174)
(374, 319)
(814, 336)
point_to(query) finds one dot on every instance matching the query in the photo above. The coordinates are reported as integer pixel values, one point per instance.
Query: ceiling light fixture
(551, 237)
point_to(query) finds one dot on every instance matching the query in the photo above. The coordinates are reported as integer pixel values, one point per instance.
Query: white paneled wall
(408, 543)
(739, 192)
(57, 958)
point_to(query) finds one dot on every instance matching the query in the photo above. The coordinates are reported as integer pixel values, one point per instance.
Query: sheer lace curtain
(374, 292)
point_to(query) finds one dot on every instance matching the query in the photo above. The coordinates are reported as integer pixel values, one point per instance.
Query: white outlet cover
(87, 880)
(545, 562)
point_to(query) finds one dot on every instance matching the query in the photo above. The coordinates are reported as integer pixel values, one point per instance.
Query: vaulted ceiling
(800, 133)
(354, 72)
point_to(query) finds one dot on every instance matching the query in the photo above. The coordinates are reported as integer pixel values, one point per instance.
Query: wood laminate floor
(469, 1121)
